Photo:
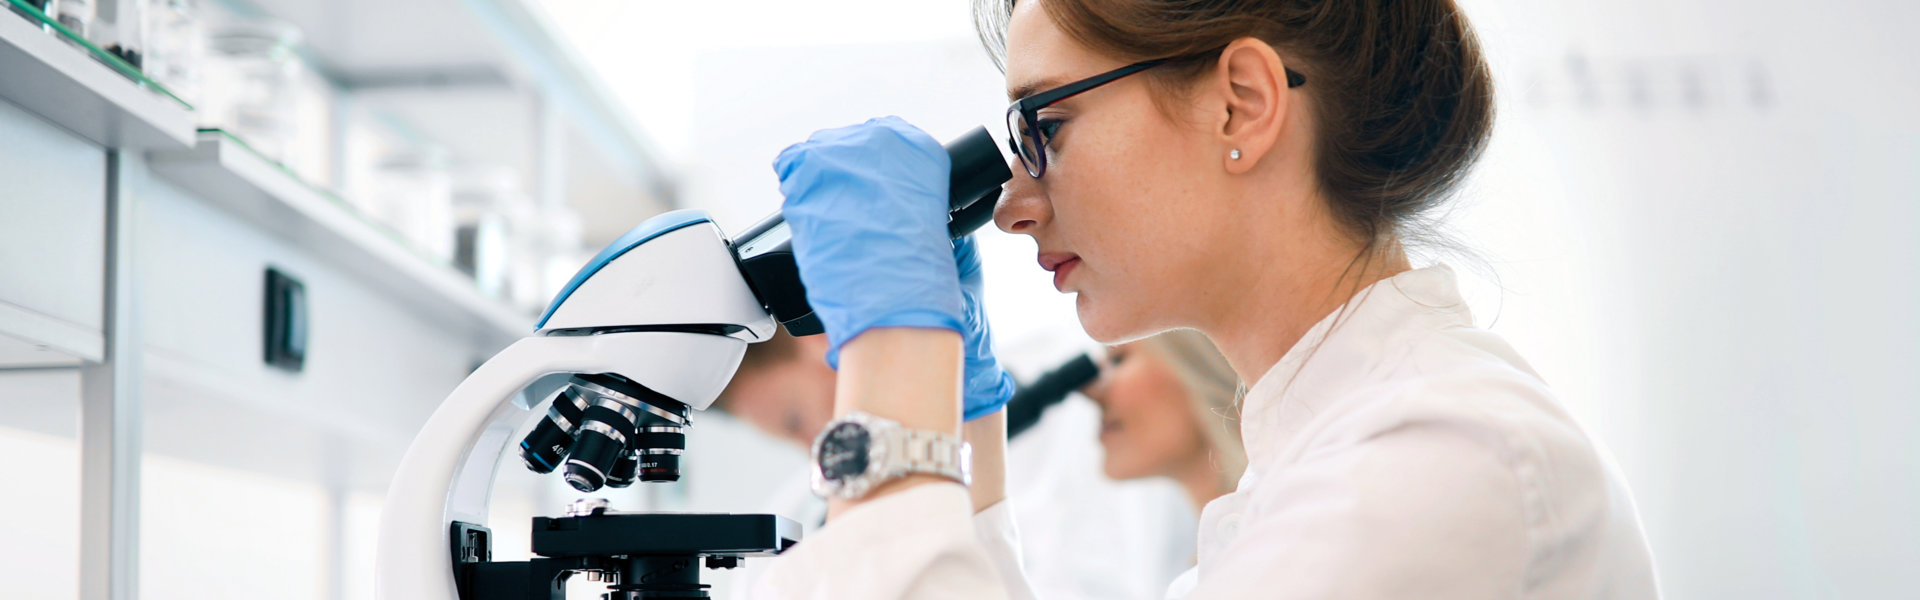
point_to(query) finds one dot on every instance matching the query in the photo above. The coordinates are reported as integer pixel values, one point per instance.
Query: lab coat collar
(1344, 351)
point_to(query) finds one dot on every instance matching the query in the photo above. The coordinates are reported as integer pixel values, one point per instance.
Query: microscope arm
(447, 474)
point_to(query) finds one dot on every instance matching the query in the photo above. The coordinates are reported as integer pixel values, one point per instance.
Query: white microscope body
(627, 313)
(653, 327)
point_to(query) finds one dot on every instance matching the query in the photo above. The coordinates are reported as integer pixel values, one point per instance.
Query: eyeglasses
(1029, 135)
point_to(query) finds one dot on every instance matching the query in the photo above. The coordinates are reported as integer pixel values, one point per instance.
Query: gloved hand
(987, 387)
(867, 207)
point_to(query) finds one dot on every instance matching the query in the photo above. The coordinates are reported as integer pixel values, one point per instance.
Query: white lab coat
(1402, 454)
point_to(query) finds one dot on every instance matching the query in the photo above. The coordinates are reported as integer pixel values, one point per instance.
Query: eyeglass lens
(1027, 143)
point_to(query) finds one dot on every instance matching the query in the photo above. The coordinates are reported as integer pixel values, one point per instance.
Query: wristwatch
(858, 452)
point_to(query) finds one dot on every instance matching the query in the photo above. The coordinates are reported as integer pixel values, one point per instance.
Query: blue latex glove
(988, 387)
(867, 207)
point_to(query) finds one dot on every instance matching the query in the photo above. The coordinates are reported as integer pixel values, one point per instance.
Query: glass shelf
(224, 170)
(119, 65)
(325, 194)
(334, 198)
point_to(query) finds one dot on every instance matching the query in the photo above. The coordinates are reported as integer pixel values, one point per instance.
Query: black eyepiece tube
(765, 251)
(978, 172)
(1032, 401)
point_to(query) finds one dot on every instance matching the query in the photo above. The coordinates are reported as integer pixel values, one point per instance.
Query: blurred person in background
(1167, 409)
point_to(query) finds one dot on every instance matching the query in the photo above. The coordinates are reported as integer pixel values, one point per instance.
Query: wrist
(908, 375)
(841, 334)
(988, 436)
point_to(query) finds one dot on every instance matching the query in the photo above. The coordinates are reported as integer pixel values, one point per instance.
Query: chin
(1118, 472)
(1110, 324)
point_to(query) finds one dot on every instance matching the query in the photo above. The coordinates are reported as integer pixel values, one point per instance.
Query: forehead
(1041, 56)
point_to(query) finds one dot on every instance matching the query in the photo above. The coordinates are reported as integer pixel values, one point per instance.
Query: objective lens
(626, 433)
(660, 467)
(604, 433)
(659, 452)
(623, 470)
(548, 443)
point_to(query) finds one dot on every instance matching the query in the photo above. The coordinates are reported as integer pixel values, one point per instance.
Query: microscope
(650, 330)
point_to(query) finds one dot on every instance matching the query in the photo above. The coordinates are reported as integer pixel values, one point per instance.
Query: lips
(1061, 264)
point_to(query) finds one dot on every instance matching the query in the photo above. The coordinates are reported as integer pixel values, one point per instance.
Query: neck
(1274, 307)
(1200, 479)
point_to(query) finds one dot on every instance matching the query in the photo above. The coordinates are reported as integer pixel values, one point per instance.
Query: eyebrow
(1031, 88)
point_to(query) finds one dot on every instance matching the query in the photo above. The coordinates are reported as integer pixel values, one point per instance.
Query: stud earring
(1234, 154)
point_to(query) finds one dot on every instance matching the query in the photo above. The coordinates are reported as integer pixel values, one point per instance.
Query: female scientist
(1249, 169)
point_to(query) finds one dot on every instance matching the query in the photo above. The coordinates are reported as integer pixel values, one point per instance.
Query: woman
(1166, 410)
(1248, 169)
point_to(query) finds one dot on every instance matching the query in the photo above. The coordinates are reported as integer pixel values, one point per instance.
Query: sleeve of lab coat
(995, 530)
(923, 542)
(1422, 510)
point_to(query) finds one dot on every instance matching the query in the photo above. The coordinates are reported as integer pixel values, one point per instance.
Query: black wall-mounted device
(286, 320)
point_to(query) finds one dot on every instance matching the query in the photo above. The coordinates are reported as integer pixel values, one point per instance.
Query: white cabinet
(376, 365)
(52, 242)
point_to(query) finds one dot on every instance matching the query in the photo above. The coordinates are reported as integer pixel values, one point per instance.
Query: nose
(1023, 206)
(1096, 390)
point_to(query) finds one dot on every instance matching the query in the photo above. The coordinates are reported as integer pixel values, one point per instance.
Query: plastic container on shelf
(544, 247)
(249, 83)
(483, 202)
(75, 15)
(39, 5)
(124, 32)
(411, 192)
(176, 47)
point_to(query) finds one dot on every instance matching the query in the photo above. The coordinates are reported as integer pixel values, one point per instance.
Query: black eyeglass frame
(1025, 112)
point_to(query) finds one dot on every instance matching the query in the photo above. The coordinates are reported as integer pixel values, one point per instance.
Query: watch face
(843, 451)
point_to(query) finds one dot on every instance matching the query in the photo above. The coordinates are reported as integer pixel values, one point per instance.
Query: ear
(1253, 82)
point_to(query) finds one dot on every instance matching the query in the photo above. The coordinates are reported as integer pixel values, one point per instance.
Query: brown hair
(1402, 97)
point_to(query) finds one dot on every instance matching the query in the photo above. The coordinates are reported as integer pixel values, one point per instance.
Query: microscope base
(640, 555)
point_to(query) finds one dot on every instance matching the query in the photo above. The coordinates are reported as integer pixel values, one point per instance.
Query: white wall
(1704, 215)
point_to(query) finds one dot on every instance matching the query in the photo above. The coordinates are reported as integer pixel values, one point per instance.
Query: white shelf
(29, 339)
(226, 173)
(65, 85)
(491, 55)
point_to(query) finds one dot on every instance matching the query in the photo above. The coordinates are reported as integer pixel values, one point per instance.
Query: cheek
(1126, 199)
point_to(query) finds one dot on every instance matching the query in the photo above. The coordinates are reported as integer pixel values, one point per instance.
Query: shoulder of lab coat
(1405, 453)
